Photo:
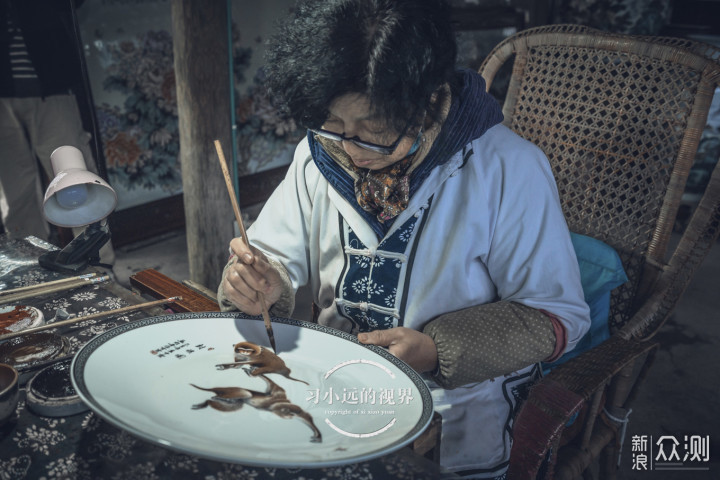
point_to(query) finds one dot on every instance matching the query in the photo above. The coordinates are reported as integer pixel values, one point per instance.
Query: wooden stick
(238, 218)
(46, 284)
(93, 316)
(45, 289)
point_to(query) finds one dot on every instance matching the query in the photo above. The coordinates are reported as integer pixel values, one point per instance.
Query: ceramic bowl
(9, 392)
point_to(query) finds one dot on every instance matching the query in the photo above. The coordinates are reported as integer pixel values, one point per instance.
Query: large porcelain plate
(161, 379)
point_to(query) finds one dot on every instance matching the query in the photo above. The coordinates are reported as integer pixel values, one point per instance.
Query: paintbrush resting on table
(30, 291)
(117, 311)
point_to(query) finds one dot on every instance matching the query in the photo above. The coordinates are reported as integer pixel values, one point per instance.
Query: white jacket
(485, 226)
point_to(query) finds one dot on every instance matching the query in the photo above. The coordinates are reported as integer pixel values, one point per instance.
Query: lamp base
(83, 251)
(49, 260)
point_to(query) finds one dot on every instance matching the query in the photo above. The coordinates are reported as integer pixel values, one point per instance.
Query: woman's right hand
(249, 274)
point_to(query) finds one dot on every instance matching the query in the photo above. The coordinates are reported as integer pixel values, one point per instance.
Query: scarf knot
(385, 192)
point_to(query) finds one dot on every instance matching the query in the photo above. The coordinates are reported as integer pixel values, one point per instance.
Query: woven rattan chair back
(619, 118)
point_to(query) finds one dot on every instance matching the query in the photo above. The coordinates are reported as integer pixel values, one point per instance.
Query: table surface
(84, 446)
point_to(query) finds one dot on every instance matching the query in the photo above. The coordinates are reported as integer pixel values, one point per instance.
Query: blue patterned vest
(372, 290)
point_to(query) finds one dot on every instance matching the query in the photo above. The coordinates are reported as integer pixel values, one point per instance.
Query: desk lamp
(75, 198)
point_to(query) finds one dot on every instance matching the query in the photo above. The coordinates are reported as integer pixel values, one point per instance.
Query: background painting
(129, 53)
(128, 49)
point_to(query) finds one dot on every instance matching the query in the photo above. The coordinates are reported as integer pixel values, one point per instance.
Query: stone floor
(680, 397)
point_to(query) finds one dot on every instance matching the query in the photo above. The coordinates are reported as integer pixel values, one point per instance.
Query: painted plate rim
(80, 360)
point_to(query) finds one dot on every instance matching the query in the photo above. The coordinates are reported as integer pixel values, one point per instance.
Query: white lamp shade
(70, 171)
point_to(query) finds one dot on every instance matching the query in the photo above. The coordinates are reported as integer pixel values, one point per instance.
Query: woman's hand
(414, 348)
(249, 274)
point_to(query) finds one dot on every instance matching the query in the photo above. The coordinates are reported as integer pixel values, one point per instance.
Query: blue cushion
(600, 272)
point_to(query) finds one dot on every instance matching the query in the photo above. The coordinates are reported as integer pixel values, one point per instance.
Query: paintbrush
(62, 281)
(30, 291)
(93, 316)
(238, 218)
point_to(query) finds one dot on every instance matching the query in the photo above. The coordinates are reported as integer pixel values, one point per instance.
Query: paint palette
(15, 318)
(196, 383)
(29, 352)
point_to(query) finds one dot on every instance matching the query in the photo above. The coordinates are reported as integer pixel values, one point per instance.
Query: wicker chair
(619, 118)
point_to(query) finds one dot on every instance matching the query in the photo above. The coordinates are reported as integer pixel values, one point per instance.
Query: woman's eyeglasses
(373, 147)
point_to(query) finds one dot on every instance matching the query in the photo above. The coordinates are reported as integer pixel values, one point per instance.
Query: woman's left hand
(411, 346)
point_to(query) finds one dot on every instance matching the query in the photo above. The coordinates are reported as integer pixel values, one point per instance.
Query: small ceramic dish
(9, 392)
(50, 392)
(26, 353)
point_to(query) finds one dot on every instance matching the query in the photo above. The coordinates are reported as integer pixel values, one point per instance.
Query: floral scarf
(385, 192)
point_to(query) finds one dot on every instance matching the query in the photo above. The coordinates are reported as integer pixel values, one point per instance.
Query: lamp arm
(87, 245)
(82, 251)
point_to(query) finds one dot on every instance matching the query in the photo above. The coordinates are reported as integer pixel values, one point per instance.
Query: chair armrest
(557, 397)
(697, 240)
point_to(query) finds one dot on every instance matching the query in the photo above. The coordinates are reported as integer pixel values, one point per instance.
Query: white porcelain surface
(365, 402)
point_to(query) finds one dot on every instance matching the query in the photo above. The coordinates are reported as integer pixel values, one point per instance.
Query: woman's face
(350, 115)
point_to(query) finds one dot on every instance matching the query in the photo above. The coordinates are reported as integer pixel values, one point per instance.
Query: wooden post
(199, 30)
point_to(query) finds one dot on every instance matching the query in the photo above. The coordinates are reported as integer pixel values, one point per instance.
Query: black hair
(397, 52)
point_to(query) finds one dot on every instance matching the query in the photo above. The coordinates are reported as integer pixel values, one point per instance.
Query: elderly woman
(420, 222)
